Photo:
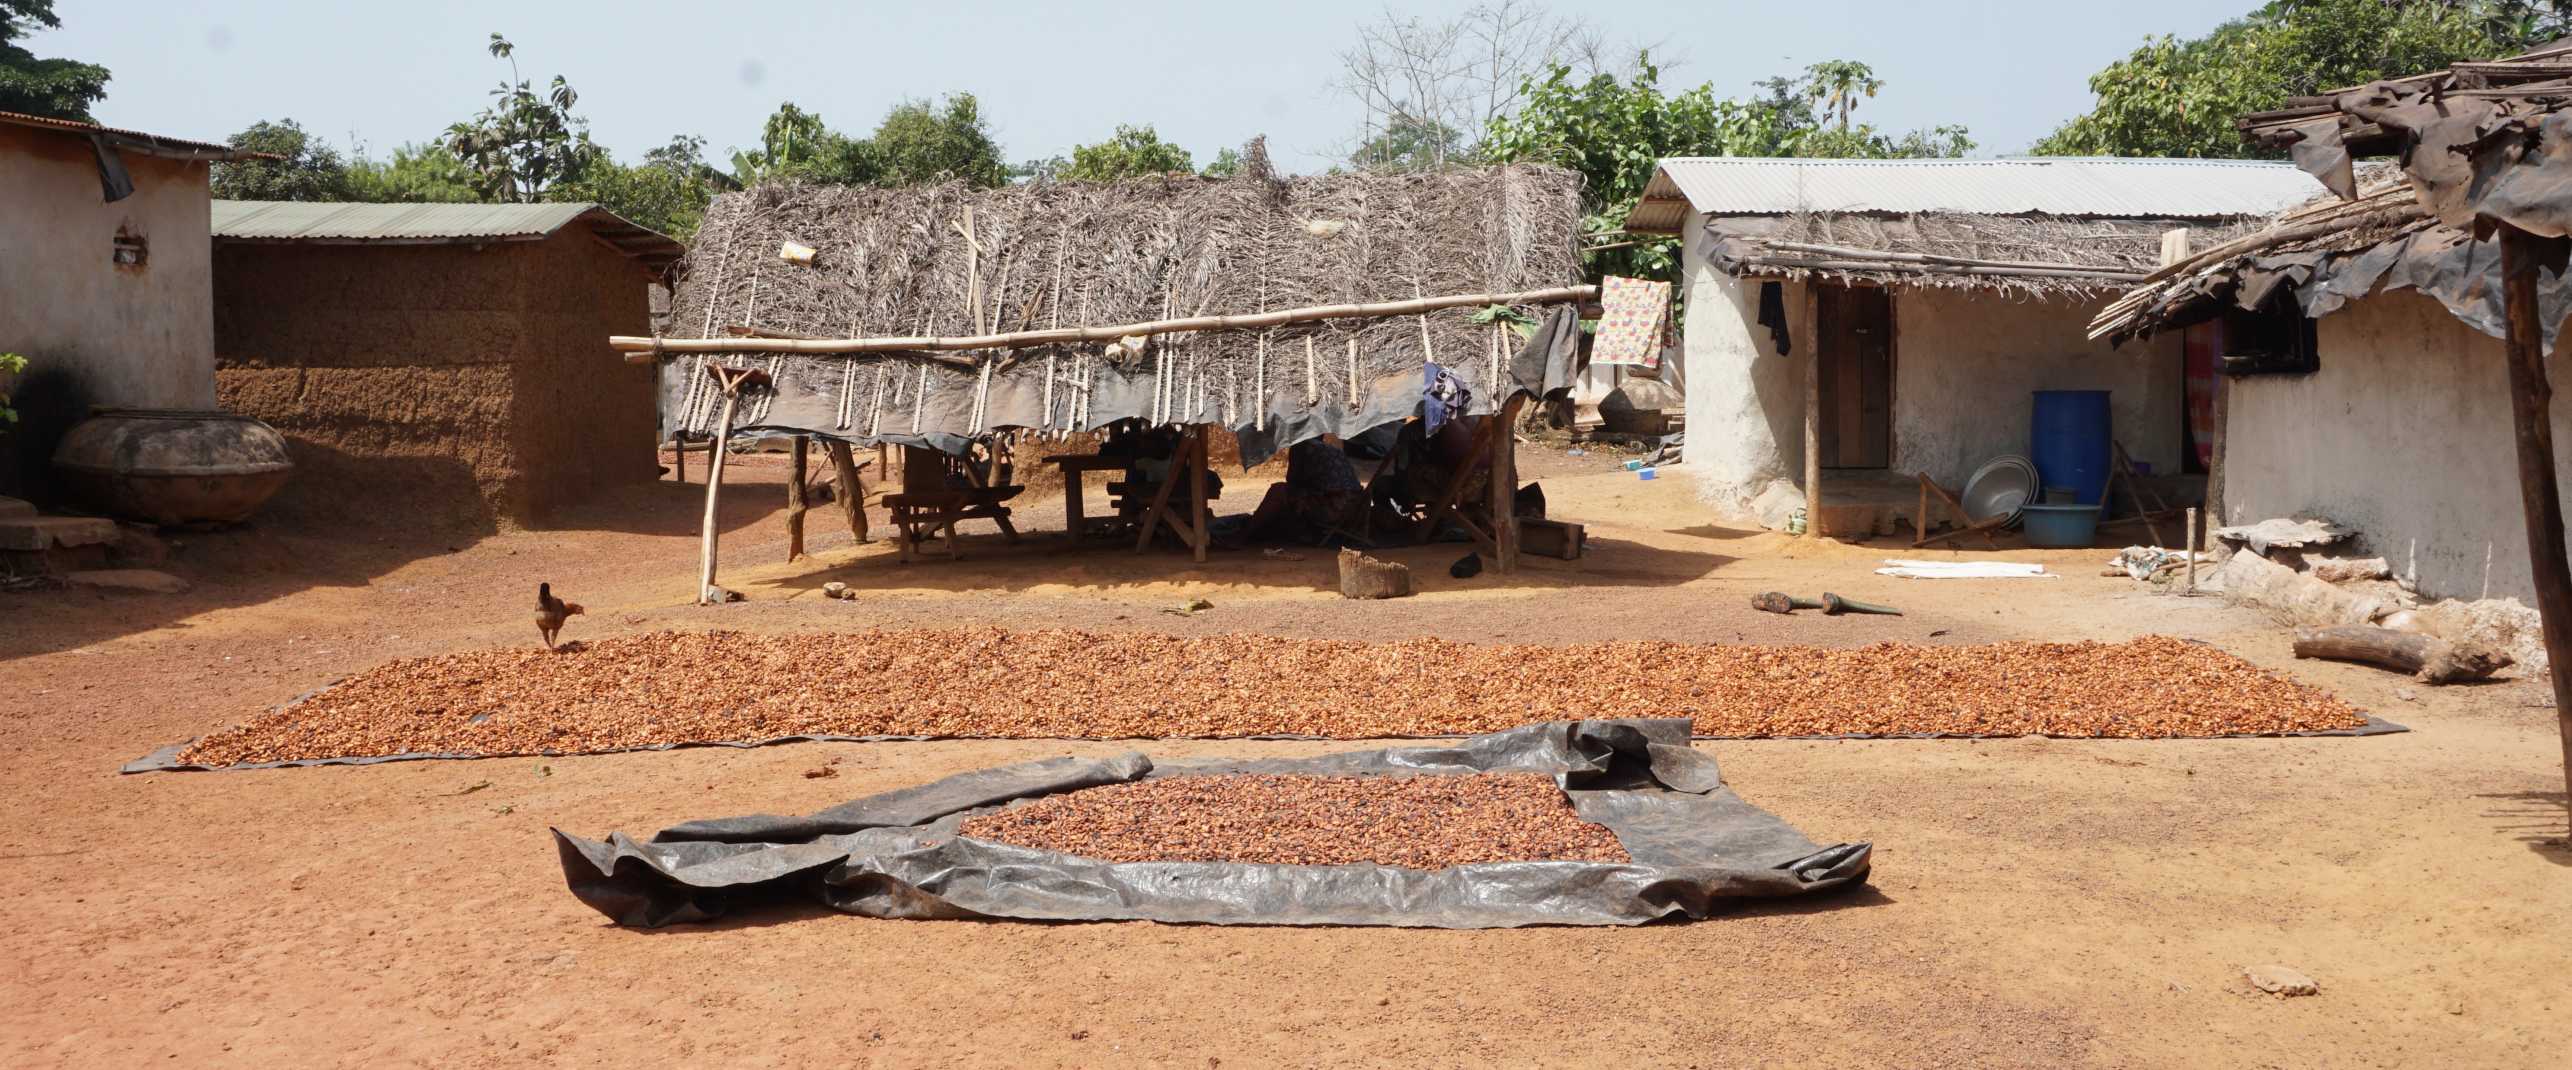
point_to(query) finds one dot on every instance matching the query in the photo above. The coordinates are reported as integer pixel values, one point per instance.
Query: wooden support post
(1197, 466)
(679, 456)
(795, 503)
(2531, 404)
(1813, 412)
(1504, 486)
(852, 490)
(714, 489)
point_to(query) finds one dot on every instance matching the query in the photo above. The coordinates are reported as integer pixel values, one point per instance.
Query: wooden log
(644, 350)
(796, 505)
(2540, 494)
(2431, 659)
(1504, 486)
(679, 456)
(1365, 577)
(852, 490)
(1812, 411)
(1197, 535)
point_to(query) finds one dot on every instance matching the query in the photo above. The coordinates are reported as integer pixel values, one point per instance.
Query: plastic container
(2068, 435)
(1645, 473)
(2060, 527)
(2060, 496)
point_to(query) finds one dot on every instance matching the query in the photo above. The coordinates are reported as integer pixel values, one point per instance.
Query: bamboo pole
(1813, 413)
(641, 350)
(2540, 493)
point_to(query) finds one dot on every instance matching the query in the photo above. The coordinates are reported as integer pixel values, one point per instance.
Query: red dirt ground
(2036, 903)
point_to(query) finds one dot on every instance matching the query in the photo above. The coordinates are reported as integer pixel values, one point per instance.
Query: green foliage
(1614, 132)
(919, 142)
(1134, 151)
(1226, 164)
(309, 170)
(55, 88)
(796, 144)
(429, 173)
(1410, 142)
(525, 141)
(1837, 84)
(2180, 98)
(667, 192)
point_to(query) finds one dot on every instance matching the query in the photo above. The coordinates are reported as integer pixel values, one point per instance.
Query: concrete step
(41, 533)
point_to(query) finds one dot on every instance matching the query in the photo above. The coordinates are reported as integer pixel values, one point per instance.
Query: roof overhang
(135, 141)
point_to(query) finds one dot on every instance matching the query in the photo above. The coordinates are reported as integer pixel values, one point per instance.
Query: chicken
(551, 612)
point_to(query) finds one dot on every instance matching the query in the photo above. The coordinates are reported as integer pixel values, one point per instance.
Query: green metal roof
(347, 223)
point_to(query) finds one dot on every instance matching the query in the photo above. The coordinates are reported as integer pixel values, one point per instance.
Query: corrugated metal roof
(2093, 187)
(135, 139)
(358, 223)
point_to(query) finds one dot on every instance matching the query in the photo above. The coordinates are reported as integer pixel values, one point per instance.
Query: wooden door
(1855, 361)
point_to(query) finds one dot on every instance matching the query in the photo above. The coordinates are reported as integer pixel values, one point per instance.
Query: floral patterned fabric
(1630, 328)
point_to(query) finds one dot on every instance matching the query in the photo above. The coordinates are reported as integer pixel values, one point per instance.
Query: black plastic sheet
(1696, 848)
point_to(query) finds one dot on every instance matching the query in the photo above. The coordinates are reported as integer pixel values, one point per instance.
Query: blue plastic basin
(2061, 526)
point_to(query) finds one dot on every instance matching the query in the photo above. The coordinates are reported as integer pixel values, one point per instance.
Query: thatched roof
(2030, 255)
(951, 260)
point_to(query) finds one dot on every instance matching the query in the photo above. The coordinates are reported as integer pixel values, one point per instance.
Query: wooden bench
(918, 513)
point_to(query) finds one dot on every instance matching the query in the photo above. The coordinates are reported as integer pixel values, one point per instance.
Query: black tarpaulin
(1697, 847)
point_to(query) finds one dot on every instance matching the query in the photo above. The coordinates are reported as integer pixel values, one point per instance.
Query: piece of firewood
(1365, 577)
(2431, 659)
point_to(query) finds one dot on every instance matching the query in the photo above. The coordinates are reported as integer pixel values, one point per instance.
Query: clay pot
(167, 466)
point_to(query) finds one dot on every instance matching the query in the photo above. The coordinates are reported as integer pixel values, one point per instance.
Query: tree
(1614, 132)
(919, 142)
(796, 144)
(427, 173)
(667, 192)
(55, 88)
(1226, 164)
(1422, 85)
(524, 142)
(1135, 150)
(1409, 142)
(308, 169)
(2180, 98)
(1837, 84)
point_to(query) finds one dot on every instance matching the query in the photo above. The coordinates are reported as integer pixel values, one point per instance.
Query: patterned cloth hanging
(1630, 328)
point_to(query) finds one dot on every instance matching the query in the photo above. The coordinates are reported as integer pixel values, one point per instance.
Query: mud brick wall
(445, 385)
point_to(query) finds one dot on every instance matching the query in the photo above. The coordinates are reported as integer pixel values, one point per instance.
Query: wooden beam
(2540, 493)
(1504, 485)
(1197, 465)
(714, 490)
(643, 350)
(1813, 412)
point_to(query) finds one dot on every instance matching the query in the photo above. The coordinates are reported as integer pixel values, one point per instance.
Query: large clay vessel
(169, 466)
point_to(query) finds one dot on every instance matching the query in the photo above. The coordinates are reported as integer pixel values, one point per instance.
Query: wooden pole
(2191, 537)
(714, 489)
(1813, 413)
(795, 503)
(679, 455)
(643, 350)
(1504, 486)
(1197, 466)
(852, 490)
(2531, 404)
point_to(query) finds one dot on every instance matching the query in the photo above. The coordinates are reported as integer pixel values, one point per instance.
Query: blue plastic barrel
(2068, 439)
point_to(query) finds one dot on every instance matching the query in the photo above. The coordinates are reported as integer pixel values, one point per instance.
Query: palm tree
(1837, 84)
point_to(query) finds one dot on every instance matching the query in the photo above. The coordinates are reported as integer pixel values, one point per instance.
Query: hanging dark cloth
(1443, 396)
(112, 179)
(1772, 315)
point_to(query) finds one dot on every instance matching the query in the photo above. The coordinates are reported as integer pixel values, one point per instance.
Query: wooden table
(1075, 466)
(918, 513)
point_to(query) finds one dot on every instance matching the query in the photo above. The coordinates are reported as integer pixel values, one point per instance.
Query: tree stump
(2431, 659)
(1365, 577)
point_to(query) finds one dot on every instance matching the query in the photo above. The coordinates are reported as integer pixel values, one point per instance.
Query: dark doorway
(1855, 360)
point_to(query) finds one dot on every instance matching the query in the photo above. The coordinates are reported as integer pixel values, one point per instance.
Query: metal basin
(2001, 488)
(167, 466)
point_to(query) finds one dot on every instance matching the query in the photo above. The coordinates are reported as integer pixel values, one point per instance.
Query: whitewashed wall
(2404, 434)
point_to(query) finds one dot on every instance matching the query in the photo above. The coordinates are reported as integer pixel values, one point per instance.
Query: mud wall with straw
(446, 386)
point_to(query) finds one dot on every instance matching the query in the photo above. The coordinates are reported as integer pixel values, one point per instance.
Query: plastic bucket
(2068, 436)
(2060, 527)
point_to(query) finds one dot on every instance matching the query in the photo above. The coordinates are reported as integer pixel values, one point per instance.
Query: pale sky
(1050, 75)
